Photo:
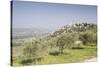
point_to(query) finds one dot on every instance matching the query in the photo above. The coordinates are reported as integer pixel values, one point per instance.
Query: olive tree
(34, 51)
(66, 40)
(88, 37)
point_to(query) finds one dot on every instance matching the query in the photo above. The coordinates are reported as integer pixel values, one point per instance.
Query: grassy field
(69, 56)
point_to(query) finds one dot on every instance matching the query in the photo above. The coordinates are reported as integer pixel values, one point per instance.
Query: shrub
(77, 45)
(34, 52)
(88, 37)
(54, 51)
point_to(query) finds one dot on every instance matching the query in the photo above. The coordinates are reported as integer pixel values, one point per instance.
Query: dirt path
(91, 60)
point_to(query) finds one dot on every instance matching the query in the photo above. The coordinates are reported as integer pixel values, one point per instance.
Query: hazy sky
(50, 15)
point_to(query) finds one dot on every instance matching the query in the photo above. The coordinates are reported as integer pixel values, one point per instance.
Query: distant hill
(21, 33)
(81, 27)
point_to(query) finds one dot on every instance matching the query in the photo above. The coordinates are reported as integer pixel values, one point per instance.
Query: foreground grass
(69, 56)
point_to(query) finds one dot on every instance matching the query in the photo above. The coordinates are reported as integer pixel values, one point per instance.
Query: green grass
(73, 55)
(69, 56)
